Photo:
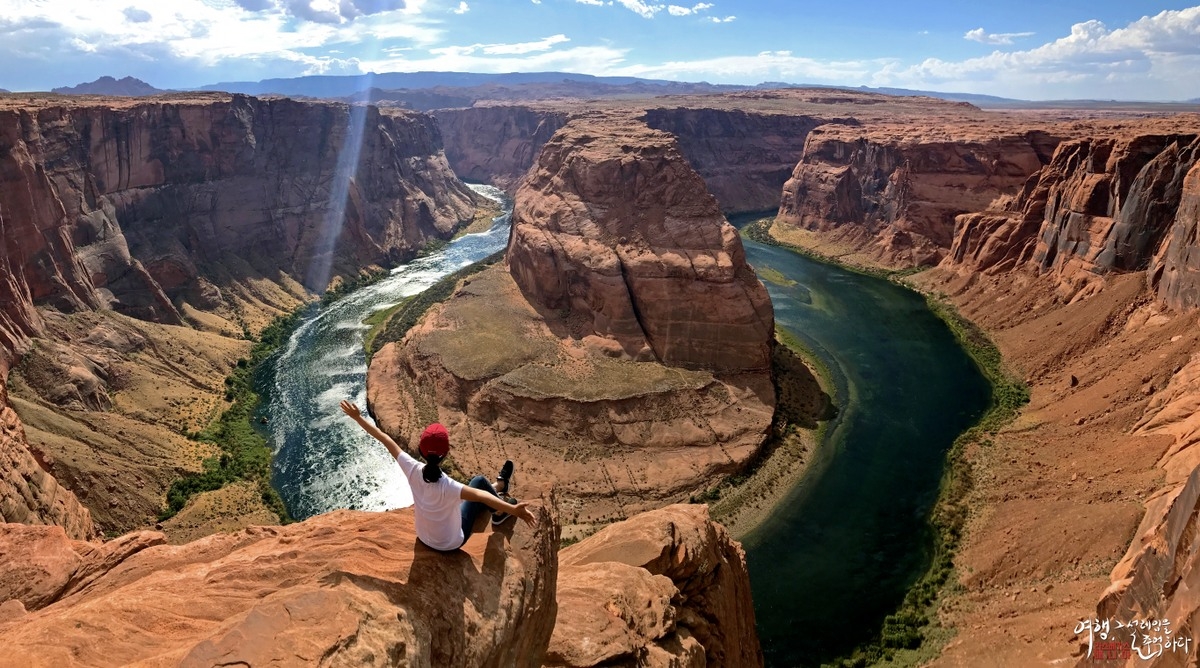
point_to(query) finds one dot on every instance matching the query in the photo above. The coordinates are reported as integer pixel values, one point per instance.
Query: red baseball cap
(435, 440)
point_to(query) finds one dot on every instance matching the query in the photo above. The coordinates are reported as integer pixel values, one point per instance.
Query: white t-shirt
(438, 519)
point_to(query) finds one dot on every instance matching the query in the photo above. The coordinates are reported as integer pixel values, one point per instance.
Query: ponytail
(433, 470)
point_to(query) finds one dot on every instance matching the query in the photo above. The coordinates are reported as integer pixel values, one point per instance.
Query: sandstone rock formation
(744, 157)
(668, 588)
(1176, 265)
(28, 493)
(744, 145)
(899, 188)
(346, 588)
(129, 206)
(496, 144)
(1103, 204)
(665, 588)
(621, 233)
(623, 357)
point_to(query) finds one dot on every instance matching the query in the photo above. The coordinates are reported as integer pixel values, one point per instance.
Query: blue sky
(1015, 48)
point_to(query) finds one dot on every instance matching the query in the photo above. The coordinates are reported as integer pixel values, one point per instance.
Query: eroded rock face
(620, 231)
(1176, 267)
(497, 143)
(347, 588)
(126, 206)
(28, 493)
(1102, 205)
(743, 157)
(901, 187)
(665, 588)
(623, 354)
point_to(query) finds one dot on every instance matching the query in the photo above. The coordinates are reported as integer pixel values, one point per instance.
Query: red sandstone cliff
(496, 143)
(143, 206)
(897, 189)
(1102, 205)
(667, 588)
(743, 156)
(345, 588)
(622, 234)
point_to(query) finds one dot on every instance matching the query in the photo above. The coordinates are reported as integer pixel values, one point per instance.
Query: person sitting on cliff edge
(436, 496)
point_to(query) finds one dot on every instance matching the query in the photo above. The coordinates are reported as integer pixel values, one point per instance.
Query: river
(321, 461)
(846, 544)
(848, 541)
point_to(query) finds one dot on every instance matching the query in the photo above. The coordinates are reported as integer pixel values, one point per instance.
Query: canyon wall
(120, 219)
(897, 189)
(143, 206)
(497, 144)
(1085, 277)
(744, 156)
(1102, 205)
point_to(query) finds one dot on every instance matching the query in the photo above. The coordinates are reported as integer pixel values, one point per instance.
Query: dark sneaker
(501, 518)
(505, 478)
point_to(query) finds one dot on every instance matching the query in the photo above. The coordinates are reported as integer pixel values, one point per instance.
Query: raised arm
(496, 503)
(352, 410)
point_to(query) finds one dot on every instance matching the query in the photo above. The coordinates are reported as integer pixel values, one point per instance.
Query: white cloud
(979, 35)
(676, 10)
(640, 8)
(764, 66)
(544, 44)
(1150, 58)
(727, 19)
(592, 59)
(463, 8)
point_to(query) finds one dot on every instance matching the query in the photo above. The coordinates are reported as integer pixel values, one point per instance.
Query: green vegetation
(912, 635)
(349, 285)
(245, 454)
(396, 322)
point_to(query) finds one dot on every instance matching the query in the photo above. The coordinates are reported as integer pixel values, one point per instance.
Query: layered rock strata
(1102, 205)
(668, 588)
(898, 189)
(144, 206)
(1084, 279)
(744, 157)
(665, 588)
(622, 235)
(345, 588)
(28, 493)
(497, 144)
(625, 356)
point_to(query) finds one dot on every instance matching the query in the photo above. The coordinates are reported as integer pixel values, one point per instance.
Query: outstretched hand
(524, 512)
(351, 410)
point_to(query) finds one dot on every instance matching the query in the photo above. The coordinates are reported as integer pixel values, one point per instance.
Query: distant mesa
(106, 85)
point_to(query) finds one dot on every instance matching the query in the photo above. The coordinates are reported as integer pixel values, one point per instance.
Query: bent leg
(471, 509)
